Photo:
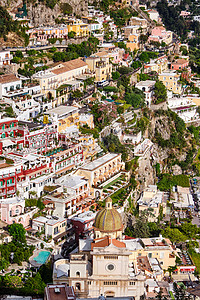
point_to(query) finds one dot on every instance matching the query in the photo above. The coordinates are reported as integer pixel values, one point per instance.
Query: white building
(52, 226)
(132, 138)
(185, 108)
(147, 87)
(153, 14)
(152, 199)
(196, 18)
(9, 83)
(5, 58)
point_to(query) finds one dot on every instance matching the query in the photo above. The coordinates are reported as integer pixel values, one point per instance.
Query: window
(132, 283)
(110, 283)
(150, 255)
(110, 267)
(56, 230)
(110, 257)
(78, 286)
(77, 274)
(161, 254)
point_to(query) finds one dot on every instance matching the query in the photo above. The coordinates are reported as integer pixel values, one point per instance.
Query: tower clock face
(110, 267)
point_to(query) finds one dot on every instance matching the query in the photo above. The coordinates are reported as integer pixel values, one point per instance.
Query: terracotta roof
(8, 78)
(70, 65)
(105, 242)
(180, 61)
(102, 53)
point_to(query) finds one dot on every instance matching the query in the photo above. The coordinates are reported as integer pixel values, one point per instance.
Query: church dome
(108, 219)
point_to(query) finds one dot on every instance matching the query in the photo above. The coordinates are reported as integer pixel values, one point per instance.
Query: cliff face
(40, 14)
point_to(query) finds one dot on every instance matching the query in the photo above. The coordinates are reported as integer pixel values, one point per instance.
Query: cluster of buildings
(44, 154)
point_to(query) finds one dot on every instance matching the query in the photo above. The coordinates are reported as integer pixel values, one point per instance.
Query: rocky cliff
(44, 12)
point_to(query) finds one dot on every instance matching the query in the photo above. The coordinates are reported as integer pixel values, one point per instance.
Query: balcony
(8, 129)
(11, 192)
(11, 184)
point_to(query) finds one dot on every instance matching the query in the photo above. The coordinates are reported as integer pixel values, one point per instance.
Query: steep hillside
(44, 12)
(176, 143)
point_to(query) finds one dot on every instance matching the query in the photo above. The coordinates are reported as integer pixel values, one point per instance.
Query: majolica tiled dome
(108, 219)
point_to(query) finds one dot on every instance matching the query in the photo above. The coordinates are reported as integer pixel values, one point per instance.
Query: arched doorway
(49, 95)
(110, 294)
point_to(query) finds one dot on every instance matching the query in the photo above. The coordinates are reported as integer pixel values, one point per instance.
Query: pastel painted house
(13, 210)
(52, 226)
(180, 64)
(159, 34)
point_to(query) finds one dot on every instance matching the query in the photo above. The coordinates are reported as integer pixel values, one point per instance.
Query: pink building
(159, 34)
(184, 14)
(180, 64)
(116, 55)
(13, 211)
(44, 33)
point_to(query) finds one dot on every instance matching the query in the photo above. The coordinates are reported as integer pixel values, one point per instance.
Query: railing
(11, 184)
(11, 192)
(8, 129)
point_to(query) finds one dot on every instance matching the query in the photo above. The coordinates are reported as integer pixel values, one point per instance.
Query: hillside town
(100, 150)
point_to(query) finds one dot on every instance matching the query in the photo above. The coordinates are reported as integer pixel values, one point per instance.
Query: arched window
(78, 286)
(77, 274)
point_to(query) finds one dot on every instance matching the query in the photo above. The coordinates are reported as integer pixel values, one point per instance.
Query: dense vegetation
(173, 21)
(113, 144)
(6, 23)
(167, 181)
(73, 51)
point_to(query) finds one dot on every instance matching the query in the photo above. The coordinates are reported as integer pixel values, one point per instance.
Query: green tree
(71, 34)
(140, 228)
(35, 285)
(174, 235)
(160, 92)
(189, 230)
(19, 54)
(18, 232)
(125, 70)
(12, 281)
(115, 75)
(3, 263)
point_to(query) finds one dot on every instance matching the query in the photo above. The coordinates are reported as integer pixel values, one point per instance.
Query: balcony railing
(11, 192)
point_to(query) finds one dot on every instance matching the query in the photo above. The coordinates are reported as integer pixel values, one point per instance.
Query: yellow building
(158, 65)
(80, 28)
(61, 75)
(99, 63)
(64, 117)
(102, 168)
(89, 145)
(171, 80)
(133, 42)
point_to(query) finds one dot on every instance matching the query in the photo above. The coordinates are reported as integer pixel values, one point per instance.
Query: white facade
(5, 58)
(153, 14)
(184, 107)
(196, 18)
(52, 226)
(8, 84)
(147, 88)
(132, 138)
